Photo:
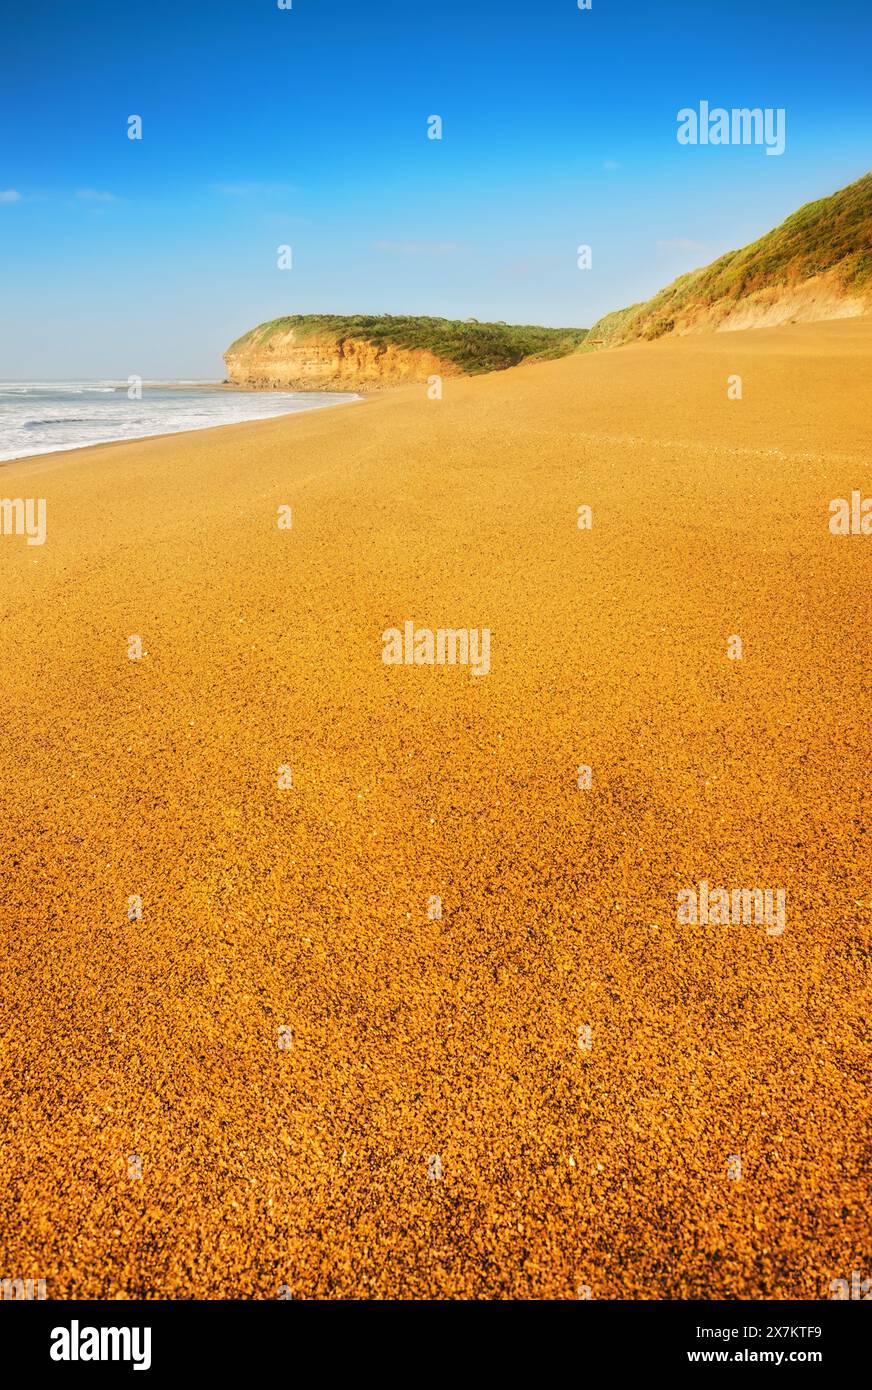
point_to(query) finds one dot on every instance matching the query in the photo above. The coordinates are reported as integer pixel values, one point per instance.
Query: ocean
(42, 417)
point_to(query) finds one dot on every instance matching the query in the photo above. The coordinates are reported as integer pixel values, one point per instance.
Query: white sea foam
(43, 417)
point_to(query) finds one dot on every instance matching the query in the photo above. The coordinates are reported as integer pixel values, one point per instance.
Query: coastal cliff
(320, 352)
(319, 364)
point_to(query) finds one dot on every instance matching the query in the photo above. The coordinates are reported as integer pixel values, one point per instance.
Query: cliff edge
(321, 352)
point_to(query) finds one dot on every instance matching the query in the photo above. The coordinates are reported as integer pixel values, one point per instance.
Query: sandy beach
(287, 1074)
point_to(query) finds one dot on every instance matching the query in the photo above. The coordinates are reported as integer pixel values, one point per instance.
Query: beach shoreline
(353, 399)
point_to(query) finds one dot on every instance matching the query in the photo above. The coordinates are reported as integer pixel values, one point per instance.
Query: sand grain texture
(308, 1167)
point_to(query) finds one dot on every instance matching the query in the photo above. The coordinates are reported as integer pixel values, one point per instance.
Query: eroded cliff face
(284, 361)
(815, 300)
(820, 298)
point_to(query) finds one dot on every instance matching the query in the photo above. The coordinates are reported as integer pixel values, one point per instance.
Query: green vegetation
(610, 328)
(833, 234)
(473, 346)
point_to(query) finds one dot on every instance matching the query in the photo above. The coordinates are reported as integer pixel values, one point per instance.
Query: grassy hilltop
(472, 346)
(831, 237)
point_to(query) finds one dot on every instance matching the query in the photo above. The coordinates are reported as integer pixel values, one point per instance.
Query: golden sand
(445, 1045)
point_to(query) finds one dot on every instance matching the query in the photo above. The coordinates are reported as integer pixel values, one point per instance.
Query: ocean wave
(103, 420)
(64, 420)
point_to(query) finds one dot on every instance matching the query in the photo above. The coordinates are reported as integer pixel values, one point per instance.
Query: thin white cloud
(680, 243)
(94, 195)
(417, 248)
(10, 195)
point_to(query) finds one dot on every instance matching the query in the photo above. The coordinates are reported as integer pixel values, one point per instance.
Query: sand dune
(152, 1045)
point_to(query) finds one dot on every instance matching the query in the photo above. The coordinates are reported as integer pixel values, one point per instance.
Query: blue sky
(308, 127)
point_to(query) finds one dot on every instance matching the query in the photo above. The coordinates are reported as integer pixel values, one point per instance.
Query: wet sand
(448, 1045)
